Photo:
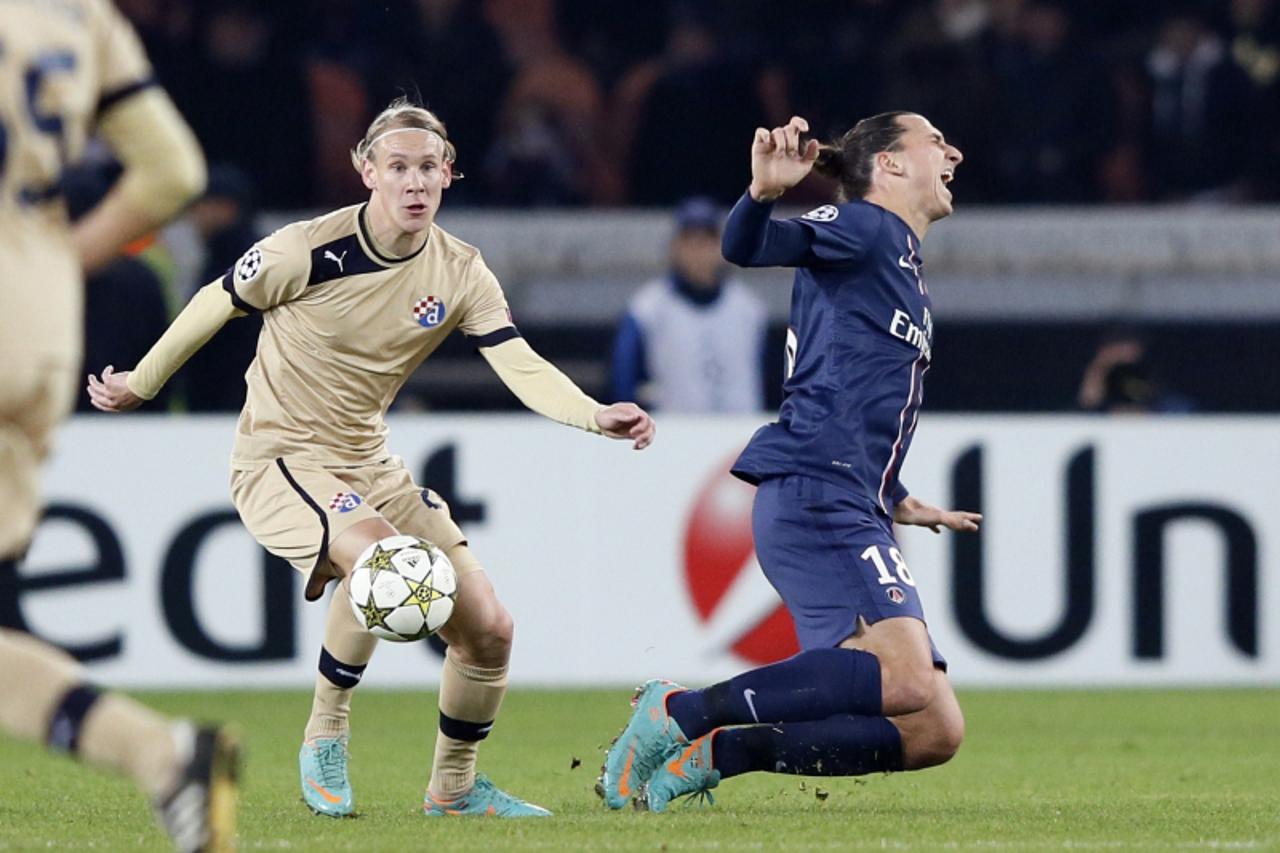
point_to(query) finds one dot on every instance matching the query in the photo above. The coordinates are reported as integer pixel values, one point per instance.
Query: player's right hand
(111, 393)
(627, 421)
(780, 160)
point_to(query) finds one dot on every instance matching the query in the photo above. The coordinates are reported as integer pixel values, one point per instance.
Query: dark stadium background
(579, 104)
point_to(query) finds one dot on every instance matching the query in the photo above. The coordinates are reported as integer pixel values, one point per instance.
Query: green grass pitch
(1039, 770)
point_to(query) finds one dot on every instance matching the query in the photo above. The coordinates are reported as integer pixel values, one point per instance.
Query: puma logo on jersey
(337, 259)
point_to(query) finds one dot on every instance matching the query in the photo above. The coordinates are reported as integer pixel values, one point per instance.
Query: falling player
(67, 70)
(352, 303)
(868, 692)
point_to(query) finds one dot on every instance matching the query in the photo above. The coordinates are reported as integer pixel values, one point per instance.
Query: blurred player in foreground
(869, 691)
(67, 69)
(352, 302)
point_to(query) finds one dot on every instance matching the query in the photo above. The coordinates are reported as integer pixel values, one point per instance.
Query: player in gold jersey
(352, 303)
(69, 68)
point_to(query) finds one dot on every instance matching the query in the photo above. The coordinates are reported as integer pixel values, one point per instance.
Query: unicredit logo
(733, 599)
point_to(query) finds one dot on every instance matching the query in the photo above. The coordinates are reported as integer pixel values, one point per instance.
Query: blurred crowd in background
(617, 102)
(620, 103)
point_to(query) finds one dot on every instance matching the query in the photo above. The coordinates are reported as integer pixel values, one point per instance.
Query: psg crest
(429, 312)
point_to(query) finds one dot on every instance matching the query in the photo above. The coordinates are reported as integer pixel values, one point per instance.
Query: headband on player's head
(385, 133)
(450, 154)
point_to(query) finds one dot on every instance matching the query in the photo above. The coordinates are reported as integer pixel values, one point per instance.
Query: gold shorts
(295, 507)
(33, 401)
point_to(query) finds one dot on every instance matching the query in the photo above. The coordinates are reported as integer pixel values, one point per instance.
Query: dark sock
(63, 733)
(844, 745)
(812, 685)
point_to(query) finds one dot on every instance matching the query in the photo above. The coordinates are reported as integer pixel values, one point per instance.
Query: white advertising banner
(1114, 552)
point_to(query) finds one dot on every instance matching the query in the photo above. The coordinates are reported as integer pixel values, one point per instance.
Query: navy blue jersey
(858, 346)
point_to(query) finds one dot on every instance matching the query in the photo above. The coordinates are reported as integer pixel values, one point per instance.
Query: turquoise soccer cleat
(638, 751)
(484, 799)
(685, 771)
(325, 787)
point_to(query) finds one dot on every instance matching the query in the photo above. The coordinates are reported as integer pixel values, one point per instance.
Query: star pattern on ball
(380, 559)
(422, 593)
(374, 616)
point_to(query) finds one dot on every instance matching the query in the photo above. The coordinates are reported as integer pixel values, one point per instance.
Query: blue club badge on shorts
(896, 595)
(429, 312)
(344, 502)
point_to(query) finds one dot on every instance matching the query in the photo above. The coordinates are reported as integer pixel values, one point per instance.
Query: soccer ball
(403, 588)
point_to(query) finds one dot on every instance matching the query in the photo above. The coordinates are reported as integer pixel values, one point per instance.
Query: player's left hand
(627, 420)
(111, 393)
(921, 514)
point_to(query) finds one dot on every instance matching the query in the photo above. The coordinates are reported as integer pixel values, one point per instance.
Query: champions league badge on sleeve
(826, 213)
(249, 265)
(429, 312)
(344, 502)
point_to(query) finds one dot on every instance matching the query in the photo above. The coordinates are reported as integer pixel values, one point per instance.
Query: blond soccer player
(68, 70)
(352, 303)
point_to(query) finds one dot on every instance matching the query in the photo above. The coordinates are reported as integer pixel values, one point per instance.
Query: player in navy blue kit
(869, 691)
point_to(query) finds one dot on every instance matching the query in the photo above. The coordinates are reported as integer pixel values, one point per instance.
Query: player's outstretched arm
(913, 511)
(111, 393)
(627, 421)
(543, 388)
(206, 313)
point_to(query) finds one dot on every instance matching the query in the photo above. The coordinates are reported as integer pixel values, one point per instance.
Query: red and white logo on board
(729, 592)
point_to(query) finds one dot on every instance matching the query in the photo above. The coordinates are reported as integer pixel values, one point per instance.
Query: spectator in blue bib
(694, 339)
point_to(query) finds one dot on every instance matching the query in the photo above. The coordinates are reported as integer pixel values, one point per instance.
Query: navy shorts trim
(313, 590)
(831, 560)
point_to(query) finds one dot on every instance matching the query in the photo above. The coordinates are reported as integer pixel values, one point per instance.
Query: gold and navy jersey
(63, 64)
(343, 328)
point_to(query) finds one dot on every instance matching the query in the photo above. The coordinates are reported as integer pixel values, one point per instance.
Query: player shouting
(869, 691)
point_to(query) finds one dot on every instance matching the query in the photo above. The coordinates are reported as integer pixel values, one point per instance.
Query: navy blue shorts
(832, 560)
